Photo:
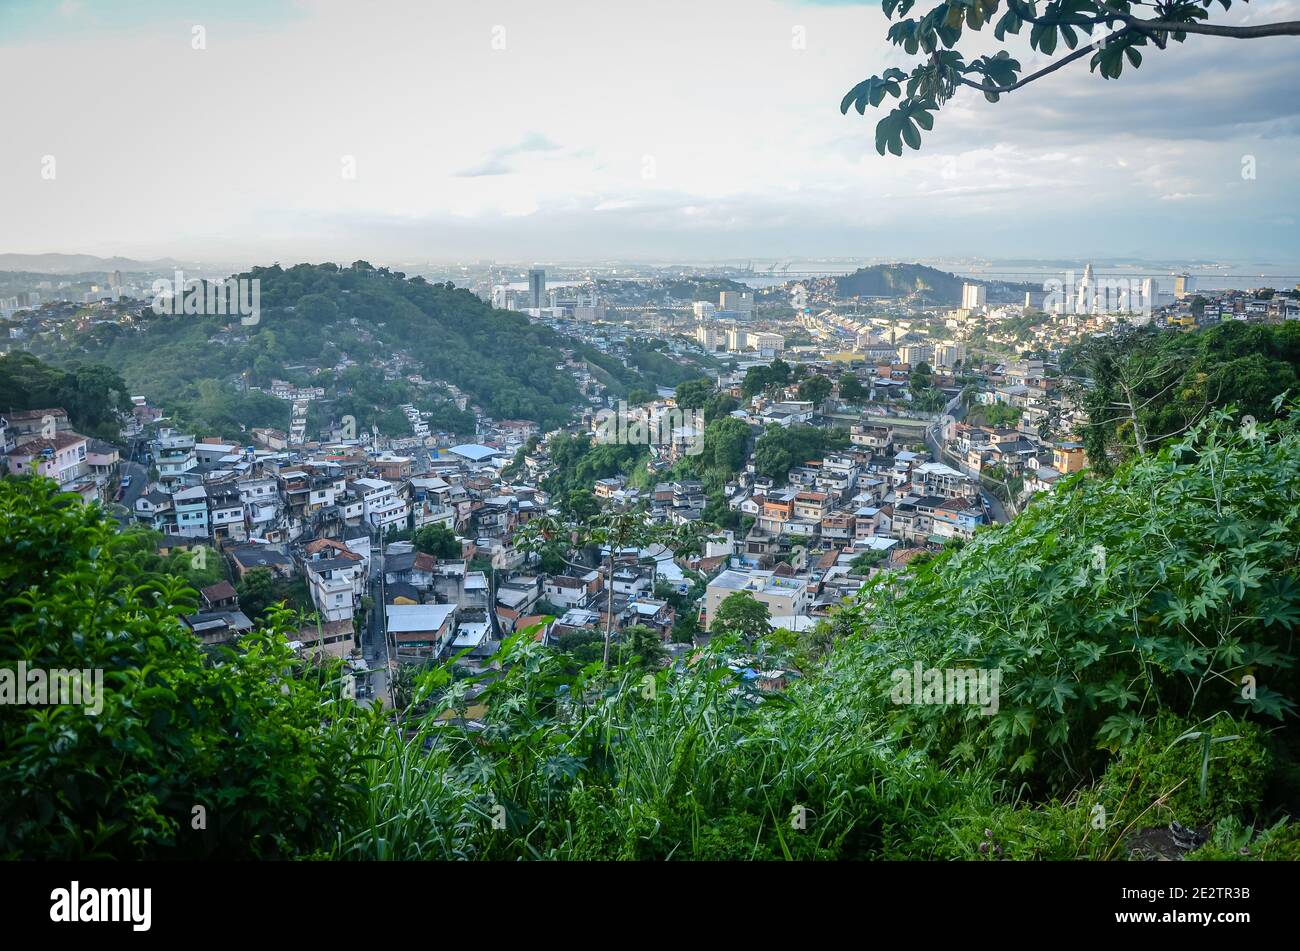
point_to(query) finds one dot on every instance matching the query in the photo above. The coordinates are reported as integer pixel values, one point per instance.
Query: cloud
(498, 160)
(538, 145)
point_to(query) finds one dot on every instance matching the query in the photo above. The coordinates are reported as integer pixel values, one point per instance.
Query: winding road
(993, 506)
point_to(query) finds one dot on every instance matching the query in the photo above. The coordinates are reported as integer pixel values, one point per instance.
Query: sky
(704, 130)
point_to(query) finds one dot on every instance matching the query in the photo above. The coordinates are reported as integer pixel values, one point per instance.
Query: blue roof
(475, 452)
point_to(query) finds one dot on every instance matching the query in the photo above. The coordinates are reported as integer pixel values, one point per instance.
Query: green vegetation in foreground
(1139, 621)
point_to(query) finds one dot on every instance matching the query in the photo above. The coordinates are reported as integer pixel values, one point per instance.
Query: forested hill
(312, 316)
(506, 363)
(930, 284)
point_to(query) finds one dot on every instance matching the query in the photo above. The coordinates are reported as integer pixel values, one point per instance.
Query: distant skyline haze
(323, 130)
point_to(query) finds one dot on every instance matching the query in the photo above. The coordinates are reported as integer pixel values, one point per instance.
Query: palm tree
(616, 531)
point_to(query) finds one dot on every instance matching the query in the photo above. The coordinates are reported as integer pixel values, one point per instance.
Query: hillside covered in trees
(92, 394)
(922, 282)
(1146, 386)
(315, 315)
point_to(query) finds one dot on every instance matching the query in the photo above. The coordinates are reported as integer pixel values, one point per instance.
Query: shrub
(1232, 841)
(1157, 778)
(241, 737)
(1159, 589)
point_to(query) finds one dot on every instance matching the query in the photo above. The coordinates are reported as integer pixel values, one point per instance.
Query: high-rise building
(736, 302)
(536, 287)
(949, 353)
(1083, 299)
(973, 296)
(915, 353)
(1150, 292)
(707, 335)
(703, 309)
(1182, 286)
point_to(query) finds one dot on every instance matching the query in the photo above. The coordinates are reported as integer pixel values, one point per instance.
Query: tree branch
(1050, 68)
(1289, 28)
(1159, 39)
(1150, 28)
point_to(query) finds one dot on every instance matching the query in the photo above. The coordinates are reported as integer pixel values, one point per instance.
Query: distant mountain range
(82, 263)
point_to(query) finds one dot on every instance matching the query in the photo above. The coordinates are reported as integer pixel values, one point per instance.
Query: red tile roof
(221, 591)
(34, 447)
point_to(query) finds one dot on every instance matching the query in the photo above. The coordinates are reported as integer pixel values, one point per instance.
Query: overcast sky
(571, 129)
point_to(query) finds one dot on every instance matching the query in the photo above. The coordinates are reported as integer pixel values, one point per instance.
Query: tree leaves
(999, 70)
(1184, 608)
(871, 92)
(903, 125)
(905, 34)
(1281, 604)
(1062, 24)
(1119, 730)
(978, 12)
(1109, 58)
(1012, 20)
(241, 731)
(902, 6)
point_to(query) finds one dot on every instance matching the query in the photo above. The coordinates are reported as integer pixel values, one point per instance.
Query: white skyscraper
(708, 336)
(1083, 300)
(1150, 292)
(973, 296)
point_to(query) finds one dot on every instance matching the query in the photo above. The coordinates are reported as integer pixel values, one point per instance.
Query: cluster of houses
(323, 517)
(42, 442)
(320, 513)
(870, 499)
(338, 516)
(1020, 452)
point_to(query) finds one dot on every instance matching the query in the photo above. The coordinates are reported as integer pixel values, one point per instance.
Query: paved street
(139, 480)
(374, 647)
(992, 505)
